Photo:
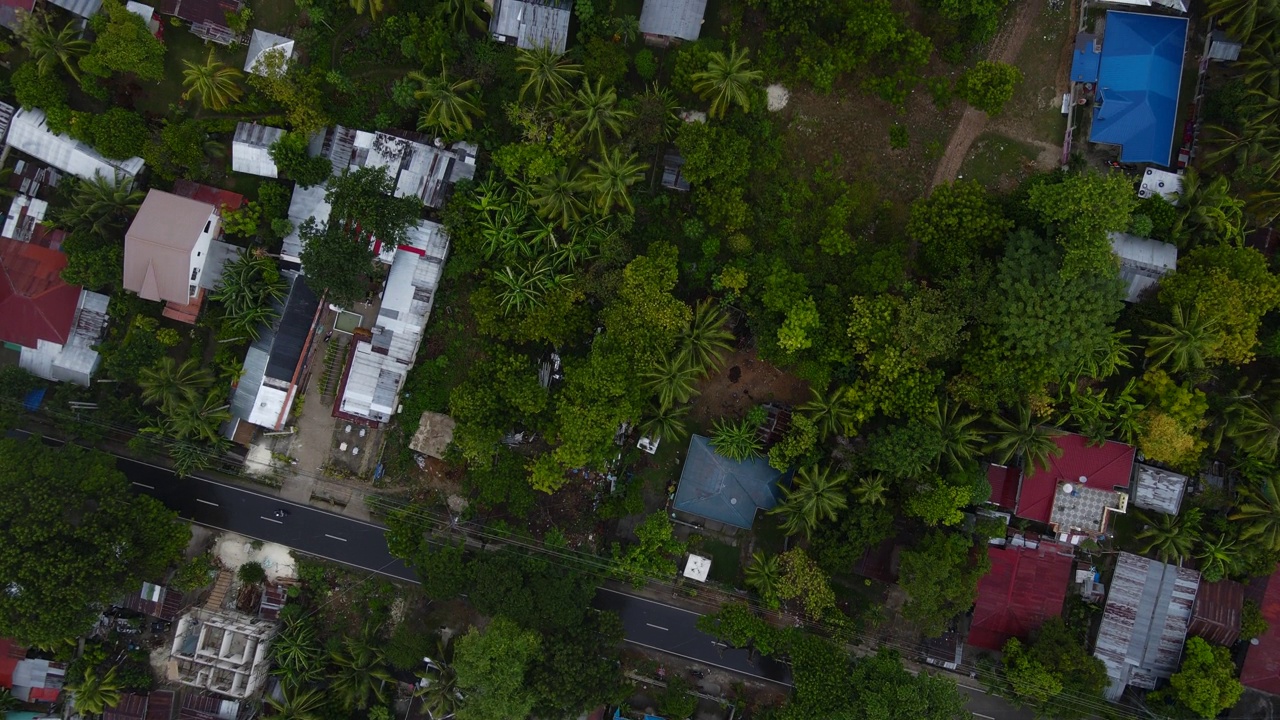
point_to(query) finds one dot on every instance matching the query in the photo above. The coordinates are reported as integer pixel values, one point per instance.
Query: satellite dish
(1066, 488)
(1084, 480)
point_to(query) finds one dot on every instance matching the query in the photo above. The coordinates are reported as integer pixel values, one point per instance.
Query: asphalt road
(363, 545)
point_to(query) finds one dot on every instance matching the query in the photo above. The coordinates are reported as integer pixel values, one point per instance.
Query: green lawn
(274, 16)
(181, 45)
(724, 561)
(998, 161)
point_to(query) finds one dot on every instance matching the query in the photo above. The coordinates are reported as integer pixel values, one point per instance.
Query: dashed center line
(149, 487)
(335, 537)
(657, 626)
(264, 517)
(206, 502)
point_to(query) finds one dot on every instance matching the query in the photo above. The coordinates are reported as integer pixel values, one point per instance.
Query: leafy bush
(646, 64)
(194, 573)
(1252, 623)
(675, 702)
(988, 85)
(899, 138)
(252, 573)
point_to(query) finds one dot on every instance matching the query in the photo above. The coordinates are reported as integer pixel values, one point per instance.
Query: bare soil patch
(743, 382)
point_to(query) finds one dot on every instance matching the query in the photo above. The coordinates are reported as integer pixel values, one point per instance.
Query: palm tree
(197, 419)
(1255, 426)
(188, 456)
(375, 7)
(463, 14)
(665, 422)
(762, 575)
(94, 694)
(735, 440)
(833, 413)
(248, 289)
(870, 490)
(451, 105)
(1218, 557)
(438, 687)
(1170, 537)
(815, 495)
(556, 196)
(8, 701)
(297, 652)
(1208, 212)
(961, 438)
(170, 385)
(610, 178)
(1184, 342)
(1259, 509)
(48, 47)
(705, 339)
(727, 81)
(1241, 18)
(596, 110)
(297, 703)
(215, 82)
(1023, 438)
(98, 206)
(548, 71)
(673, 378)
(361, 672)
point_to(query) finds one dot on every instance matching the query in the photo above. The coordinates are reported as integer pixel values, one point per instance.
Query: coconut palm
(816, 494)
(762, 575)
(961, 438)
(1255, 426)
(673, 379)
(1259, 511)
(736, 440)
(1242, 18)
(49, 48)
(1184, 342)
(1218, 557)
(557, 196)
(298, 655)
(196, 419)
(360, 672)
(464, 14)
(705, 338)
(248, 290)
(215, 82)
(95, 693)
(548, 71)
(1170, 537)
(1022, 437)
(189, 457)
(98, 206)
(595, 110)
(297, 703)
(438, 686)
(373, 7)
(1208, 211)
(665, 422)
(870, 490)
(727, 81)
(611, 177)
(451, 106)
(832, 413)
(170, 384)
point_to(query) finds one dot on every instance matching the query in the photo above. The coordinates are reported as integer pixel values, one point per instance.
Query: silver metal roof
(1158, 489)
(673, 18)
(1143, 261)
(531, 23)
(28, 133)
(83, 8)
(263, 42)
(250, 149)
(1144, 623)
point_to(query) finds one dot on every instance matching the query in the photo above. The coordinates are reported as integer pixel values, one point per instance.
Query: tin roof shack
(529, 24)
(1144, 623)
(665, 21)
(1158, 489)
(28, 133)
(223, 652)
(251, 149)
(29, 680)
(1216, 614)
(1143, 262)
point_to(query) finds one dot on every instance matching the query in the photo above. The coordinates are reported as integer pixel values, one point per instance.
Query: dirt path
(1004, 49)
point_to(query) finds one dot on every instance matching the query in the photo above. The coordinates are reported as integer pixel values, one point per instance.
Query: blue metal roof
(728, 491)
(1138, 82)
(1085, 59)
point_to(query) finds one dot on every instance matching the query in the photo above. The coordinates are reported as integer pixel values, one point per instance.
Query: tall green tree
(1054, 672)
(558, 196)
(961, 439)
(452, 106)
(61, 574)
(248, 289)
(491, 666)
(1170, 537)
(815, 496)
(673, 379)
(833, 412)
(216, 83)
(170, 384)
(124, 44)
(596, 112)
(1023, 439)
(99, 207)
(940, 576)
(1254, 425)
(706, 339)
(297, 702)
(1184, 342)
(549, 72)
(360, 676)
(464, 15)
(762, 575)
(653, 556)
(438, 688)
(50, 48)
(728, 80)
(1233, 288)
(1206, 681)
(736, 439)
(1081, 211)
(95, 693)
(610, 179)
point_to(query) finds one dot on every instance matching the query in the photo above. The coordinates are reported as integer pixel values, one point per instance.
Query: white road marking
(335, 537)
(206, 502)
(149, 487)
(264, 517)
(980, 715)
(657, 626)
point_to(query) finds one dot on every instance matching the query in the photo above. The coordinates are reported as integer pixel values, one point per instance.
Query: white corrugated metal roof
(531, 24)
(1143, 261)
(250, 149)
(307, 203)
(673, 18)
(29, 134)
(263, 42)
(83, 8)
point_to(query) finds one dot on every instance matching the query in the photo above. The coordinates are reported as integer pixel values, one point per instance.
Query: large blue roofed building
(1138, 80)
(728, 491)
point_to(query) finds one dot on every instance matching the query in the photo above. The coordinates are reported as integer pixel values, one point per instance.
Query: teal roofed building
(1139, 77)
(725, 491)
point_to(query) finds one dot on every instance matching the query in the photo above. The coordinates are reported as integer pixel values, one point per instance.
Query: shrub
(988, 85)
(252, 573)
(646, 64)
(899, 138)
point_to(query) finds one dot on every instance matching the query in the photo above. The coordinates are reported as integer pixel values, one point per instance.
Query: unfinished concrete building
(222, 652)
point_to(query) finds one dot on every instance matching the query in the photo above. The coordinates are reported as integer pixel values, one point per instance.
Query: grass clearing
(1034, 114)
(999, 162)
(725, 561)
(180, 46)
(276, 16)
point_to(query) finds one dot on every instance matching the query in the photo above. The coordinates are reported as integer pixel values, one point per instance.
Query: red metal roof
(1004, 485)
(1216, 614)
(160, 705)
(132, 706)
(1106, 466)
(213, 12)
(1261, 669)
(216, 197)
(1024, 588)
(44, 694)
(35, 304)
